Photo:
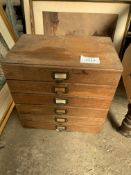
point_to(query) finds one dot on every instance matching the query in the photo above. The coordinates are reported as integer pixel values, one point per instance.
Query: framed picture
(7, 41)
(38, 15)
(6, 29)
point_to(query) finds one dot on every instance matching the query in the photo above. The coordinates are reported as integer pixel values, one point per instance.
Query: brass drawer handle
(61, 111)
(61, 128)
(61, 120)
(58, 90)
(60, 76)
(60, 101)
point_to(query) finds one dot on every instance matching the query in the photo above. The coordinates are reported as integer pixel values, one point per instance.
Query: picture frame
(6, 29)
(6, 101)
(35, 24)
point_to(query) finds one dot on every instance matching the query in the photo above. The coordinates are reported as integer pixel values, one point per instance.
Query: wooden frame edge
(7, 115)
(125, 34)
(8, 24)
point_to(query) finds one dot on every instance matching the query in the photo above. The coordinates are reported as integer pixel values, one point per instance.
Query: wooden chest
(52, 89)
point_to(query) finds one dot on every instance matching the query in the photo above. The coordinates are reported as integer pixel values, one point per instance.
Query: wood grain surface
(48, 83)
(70, 120)
(70, 127)
(127, 72)
(64, 52)
(38, 73)
(69, 89)
(101, 103)
(47, 110)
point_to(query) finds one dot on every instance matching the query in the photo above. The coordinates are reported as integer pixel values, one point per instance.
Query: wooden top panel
(64, 52)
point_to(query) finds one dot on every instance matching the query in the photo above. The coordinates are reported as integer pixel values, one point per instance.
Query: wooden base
(125, 128)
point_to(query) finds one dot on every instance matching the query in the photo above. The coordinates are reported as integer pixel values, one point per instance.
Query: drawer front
(99, 77)
(51, 100)
(63, 120)
(60, 111)
(62, 88)
(64, 127)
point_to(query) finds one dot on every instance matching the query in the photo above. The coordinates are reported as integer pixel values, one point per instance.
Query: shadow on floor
(113, 121)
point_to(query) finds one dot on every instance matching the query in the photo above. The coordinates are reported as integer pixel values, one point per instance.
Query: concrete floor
(43, 152)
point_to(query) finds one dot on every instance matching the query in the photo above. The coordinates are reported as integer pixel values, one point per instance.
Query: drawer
(52, 100)
(65, 127)
(57, 119)
(60, 110)
(70, 75)
(70, 89)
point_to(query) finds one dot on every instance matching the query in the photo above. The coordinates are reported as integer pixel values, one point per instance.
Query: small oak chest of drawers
(53, 89)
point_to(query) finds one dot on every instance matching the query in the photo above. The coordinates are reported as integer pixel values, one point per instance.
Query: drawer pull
(60, 76)
(58, 90)
(61, 120)
(60, 101)
(61, 111)
(61, 128)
